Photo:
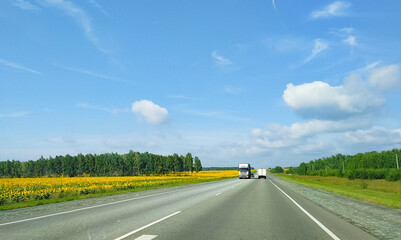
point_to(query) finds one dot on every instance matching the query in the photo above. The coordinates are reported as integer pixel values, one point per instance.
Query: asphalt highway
(229, 209)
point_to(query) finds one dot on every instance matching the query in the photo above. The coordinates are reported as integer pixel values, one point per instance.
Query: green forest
(108, 164)
(370, 165)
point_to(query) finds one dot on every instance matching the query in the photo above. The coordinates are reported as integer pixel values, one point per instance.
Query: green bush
(393, 175)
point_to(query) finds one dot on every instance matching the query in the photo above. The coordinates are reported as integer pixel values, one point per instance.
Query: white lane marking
(146, 237)
(101, 205)
(146, 226)
(217, 194)
(331, 234)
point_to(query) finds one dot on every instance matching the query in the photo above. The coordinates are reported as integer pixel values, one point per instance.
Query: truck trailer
(262, 173)
(244, 170)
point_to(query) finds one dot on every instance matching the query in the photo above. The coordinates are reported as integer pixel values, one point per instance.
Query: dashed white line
(146, 226)
(146, 237)
(217, 194)
(331, 234)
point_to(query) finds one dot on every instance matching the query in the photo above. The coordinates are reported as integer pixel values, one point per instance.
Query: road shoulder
(380, 221)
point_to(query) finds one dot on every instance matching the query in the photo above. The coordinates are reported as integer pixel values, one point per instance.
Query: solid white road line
(146, 237)
(146, 226)
(331, 234)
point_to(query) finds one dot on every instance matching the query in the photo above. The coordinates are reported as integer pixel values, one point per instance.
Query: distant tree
(188, 162)
(177, 163)
(137, 164)
(278, 169)
(197, 164)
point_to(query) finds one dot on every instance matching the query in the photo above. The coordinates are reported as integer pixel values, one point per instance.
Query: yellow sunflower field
(15, 190)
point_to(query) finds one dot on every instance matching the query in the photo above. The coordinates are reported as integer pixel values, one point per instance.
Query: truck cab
(244, 170)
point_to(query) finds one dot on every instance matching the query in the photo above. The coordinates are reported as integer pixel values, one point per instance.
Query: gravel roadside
(382, 222)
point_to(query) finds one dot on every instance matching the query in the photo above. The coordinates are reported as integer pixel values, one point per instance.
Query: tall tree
(188, 162)
(197, 164)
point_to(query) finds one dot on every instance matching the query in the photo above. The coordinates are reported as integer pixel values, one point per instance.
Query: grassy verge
(374, 191)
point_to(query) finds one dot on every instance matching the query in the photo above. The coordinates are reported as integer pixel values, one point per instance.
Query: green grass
(374, 191)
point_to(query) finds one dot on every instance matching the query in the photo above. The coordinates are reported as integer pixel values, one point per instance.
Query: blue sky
(267, 82)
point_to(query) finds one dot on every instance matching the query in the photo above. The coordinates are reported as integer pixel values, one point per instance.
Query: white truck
(262, 173)
(244, 170)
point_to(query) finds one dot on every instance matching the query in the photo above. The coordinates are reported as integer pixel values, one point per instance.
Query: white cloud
(280, 135)
(351, 40)
(386, 77)
(334, 9)
(79, 15)
(286, 44)
(101, 108)
(318, 47)
(25, 5)
(274, 5)
(17, 66)
(343, 31)
(375, 135)
(96, 5)
(13, 114)
(320, 100)
(367, 68)
(152, 113)
(93, 74)
(339, 119)
(220, 59)
(315, 139)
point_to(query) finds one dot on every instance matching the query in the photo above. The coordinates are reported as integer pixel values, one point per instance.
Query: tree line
(107, 164)
(218, 168)
(370, 165)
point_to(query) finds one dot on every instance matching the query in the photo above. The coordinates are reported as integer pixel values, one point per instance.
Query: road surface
(229, 209)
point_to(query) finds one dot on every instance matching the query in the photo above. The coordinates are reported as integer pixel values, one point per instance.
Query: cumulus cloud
(375, 135)
(338, 118)
(277, 135)
(150, 112)
(386, 77)
(322, 101)
(318, 47)
(220, 60)
(337, 8)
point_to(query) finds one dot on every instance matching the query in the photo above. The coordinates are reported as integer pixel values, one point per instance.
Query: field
(23, 192)
(380, 192)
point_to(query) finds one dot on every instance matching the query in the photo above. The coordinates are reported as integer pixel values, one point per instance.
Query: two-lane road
(230, 209)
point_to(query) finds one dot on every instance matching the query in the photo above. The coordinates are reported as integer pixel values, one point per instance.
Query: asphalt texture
(229, 209)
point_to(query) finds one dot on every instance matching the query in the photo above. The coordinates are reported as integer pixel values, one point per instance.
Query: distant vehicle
(262, 173)
(244, 170)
